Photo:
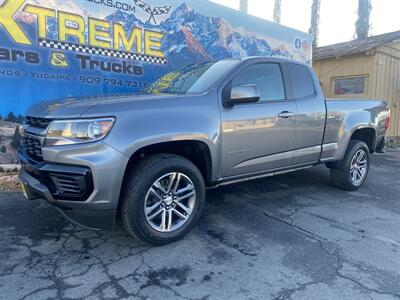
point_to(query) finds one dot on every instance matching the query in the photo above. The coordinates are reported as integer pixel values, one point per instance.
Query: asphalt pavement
(292, 236)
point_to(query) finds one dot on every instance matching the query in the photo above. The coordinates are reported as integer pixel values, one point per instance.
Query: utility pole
(244, 5)
(277, 11)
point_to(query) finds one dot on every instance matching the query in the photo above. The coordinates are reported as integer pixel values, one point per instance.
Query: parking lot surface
(292, 236)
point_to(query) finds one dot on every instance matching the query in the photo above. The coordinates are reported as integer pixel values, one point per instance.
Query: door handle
(285, 114)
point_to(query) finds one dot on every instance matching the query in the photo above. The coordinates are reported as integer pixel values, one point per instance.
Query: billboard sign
(51, 49)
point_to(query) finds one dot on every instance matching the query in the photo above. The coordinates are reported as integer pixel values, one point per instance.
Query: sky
(337, 17)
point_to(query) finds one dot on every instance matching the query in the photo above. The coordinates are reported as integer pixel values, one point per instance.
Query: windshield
(191, 79)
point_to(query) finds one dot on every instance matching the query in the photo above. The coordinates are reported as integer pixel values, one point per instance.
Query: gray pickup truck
(148, 158)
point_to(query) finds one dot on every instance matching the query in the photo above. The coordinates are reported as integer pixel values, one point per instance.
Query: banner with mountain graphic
(51, 49)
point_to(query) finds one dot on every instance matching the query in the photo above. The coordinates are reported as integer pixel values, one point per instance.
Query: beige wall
(330, 69)
(388, 82)
(382, 69)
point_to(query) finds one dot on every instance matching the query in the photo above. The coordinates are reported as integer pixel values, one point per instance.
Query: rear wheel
(351, 172)
(163, 199)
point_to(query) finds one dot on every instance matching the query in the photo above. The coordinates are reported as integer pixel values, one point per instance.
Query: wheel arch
(366, 135)
(196, 151)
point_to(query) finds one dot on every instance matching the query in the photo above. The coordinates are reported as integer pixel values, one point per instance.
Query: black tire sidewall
(135, 199)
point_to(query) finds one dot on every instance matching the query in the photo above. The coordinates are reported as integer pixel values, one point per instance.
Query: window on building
(350, 85)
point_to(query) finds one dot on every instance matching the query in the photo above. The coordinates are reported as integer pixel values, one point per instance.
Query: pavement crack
(366, 288)
(296, 227)
(286, 294)
(219, 236)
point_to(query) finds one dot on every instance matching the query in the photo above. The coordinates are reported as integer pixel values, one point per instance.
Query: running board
(249, 178)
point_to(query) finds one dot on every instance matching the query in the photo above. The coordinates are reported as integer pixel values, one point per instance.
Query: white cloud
(68, 6)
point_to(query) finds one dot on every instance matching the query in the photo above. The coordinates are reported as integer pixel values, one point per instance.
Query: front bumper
(97, 170)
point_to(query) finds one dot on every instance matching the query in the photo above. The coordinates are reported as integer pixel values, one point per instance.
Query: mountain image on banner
(213, 35)
(194, 37)
(189, 36)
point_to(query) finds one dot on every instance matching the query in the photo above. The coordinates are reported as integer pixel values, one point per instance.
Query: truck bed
(344, 116)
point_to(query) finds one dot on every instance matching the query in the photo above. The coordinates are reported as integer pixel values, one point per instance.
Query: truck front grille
(37, 122)
(32, 148)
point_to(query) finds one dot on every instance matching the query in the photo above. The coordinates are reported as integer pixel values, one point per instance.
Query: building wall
(381, 68)
(388, 82)
(350, 66)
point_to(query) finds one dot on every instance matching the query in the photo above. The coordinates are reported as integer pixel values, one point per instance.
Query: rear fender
(341, 134)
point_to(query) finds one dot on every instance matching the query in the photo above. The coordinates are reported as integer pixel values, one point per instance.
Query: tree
(11, 118)
(244, 5)
(15, 139)
(1, 118)
(314, 28)
(20, 119)
(3, 149)
(277, 11)
(362, 24)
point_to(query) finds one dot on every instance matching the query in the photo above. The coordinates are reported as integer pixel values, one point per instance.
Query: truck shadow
(285, 185)
(40, 222)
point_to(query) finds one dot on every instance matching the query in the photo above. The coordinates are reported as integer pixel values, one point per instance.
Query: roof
(356, 46)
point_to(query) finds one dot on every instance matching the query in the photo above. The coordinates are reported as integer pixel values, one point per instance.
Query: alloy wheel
(358, 167)
(169, 202)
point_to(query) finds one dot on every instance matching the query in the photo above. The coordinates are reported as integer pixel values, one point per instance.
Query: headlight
(67, 132)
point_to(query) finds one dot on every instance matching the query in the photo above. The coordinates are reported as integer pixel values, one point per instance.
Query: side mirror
(244, 94)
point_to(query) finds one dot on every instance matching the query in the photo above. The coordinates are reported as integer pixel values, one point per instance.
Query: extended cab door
(310, 116)
(258, 137)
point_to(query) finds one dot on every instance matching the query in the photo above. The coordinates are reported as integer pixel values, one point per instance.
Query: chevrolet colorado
(149, 157)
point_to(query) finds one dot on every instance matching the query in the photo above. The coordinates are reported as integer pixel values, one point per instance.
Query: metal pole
(244, 5)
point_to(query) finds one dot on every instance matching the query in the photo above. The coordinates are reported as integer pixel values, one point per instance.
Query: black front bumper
(65, 182)
(68, 188)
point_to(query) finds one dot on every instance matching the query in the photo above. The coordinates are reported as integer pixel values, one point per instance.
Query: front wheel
(351, 172)
(163, 199)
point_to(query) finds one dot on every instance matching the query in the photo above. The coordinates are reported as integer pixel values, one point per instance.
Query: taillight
(387, 120)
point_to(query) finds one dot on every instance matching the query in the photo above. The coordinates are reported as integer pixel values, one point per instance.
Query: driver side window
(267, 77)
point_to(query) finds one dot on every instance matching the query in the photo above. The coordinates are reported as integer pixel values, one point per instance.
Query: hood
(76, 107)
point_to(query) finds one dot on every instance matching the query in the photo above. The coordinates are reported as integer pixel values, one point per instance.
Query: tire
(342, 172)
(141, 192)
